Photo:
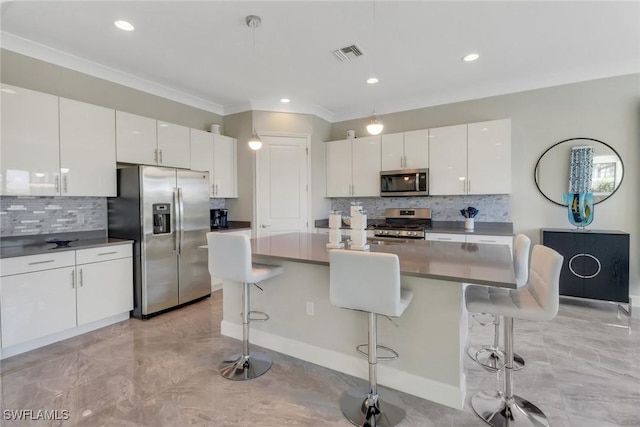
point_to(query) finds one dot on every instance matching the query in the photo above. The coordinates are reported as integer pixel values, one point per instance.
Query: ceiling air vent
(349, 52)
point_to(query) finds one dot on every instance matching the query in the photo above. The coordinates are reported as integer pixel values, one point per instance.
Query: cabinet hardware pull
(213, 189)
(155, 155)
(41, 262)
(584, 276)
(65, 180)
(73, 279)
(80, 277)
(57, 183)
(469, 186)
(488, 241)
(160, 155)
(444, 238)
(108, 253)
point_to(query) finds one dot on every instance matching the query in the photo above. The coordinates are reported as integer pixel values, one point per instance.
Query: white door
(173, 145)
(282, 191)
(136, 140)
(202, 155)
(366, 166)
(225, 172)
(392, 151)
(416, 149)
(339, 177)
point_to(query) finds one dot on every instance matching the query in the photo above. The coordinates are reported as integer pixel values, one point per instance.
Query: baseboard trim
(69, 333)
(424, 388)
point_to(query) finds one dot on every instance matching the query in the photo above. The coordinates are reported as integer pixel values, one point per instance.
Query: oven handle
(417, 182)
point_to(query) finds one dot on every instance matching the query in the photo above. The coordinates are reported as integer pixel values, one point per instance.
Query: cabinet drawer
(445, 237)
(496, 240)
(31, 263)
(103, 253)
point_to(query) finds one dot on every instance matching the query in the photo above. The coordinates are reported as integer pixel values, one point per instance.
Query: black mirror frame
(535, 175)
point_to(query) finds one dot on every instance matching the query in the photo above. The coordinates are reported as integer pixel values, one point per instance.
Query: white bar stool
(230, 259)
(537, 300)
(369, 282)
(492, 357)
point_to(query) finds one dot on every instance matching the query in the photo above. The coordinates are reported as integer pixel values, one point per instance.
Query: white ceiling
(201, 52)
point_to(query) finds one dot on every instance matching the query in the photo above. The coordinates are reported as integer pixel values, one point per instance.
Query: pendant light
(374, 126)
(254, 21)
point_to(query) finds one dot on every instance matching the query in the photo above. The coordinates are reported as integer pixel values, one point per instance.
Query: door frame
(257, 175)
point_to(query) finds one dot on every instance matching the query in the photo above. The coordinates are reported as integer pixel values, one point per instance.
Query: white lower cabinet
(105, 287)
(42, 295)
(37, 304)
(471, 238)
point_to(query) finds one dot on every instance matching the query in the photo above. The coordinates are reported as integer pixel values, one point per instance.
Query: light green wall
(30, 73)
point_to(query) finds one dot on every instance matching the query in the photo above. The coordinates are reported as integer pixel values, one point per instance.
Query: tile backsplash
(493, 208)
(24, 215)
(20, 216)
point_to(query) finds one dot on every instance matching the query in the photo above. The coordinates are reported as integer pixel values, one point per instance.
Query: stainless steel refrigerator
(166, 212)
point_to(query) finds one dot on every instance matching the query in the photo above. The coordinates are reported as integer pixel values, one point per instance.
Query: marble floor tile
(582, 370)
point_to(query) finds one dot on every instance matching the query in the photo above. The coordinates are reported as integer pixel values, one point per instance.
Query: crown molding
(39, 51)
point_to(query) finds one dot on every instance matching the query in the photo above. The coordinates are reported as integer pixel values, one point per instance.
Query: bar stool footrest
(492, 359)
(258, 319)
(394, 353)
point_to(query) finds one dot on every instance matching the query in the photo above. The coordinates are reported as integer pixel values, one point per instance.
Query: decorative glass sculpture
(580, 208)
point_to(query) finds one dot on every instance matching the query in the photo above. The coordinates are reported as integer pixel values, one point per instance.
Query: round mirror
(578, 163)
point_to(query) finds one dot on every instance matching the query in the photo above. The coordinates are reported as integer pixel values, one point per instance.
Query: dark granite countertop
(36, 244)
(454, 227)
(234, 226)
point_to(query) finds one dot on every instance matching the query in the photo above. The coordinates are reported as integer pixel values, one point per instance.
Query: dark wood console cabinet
(596, 262)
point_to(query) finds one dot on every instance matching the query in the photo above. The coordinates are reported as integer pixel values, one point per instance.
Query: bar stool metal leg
(491, 357)
(248, 365)
(363, 406)
(508, 410)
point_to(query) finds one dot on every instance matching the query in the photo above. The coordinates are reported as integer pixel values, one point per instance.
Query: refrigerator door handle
(176, 220)
(181, 219)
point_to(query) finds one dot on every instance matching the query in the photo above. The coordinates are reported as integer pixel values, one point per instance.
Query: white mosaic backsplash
(20, 216)
(493, 208)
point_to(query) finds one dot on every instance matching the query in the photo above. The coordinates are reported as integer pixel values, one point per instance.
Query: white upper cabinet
(202, 155)
(489, 153)
(144, 141)
(173, 145)
(448, 160)
(29, 157)
(339, 178)
(405, 150)
(366, 166)
(353, 167)
(470, 159)
(136, 140)
(416, 149)
(87, 149)
(392, 151)
(225, 174)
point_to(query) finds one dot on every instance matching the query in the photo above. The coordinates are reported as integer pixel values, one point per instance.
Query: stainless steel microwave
(404, 182)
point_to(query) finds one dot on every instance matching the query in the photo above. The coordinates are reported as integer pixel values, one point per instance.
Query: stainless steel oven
(404, 182)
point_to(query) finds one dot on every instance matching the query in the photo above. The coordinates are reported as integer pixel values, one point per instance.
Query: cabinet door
(489, 157)
(366, 166)
(136, 140)
(445, 237)
(392, 151)
(606, 267)
(571, 247)
(202, 155)
(491, 240)
(339, 178)
(448, 160)
(225, 166)
(34, 305)
(173, 145)
(104, 289)
(29, 157)
(87, 149)
(416, 149)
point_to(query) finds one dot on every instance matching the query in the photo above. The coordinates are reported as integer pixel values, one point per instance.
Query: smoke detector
(349, 52)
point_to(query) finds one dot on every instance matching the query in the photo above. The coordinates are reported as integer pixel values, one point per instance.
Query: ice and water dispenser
(161, 218)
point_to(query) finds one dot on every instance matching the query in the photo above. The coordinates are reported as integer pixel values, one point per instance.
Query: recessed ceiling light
(124, 25)
(285, 100)
(470, 57)
(372, 80)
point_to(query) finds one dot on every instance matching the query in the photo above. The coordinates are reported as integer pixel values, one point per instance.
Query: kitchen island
(430, 336)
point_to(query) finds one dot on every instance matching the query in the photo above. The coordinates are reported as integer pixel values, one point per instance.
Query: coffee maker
(218, 218)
